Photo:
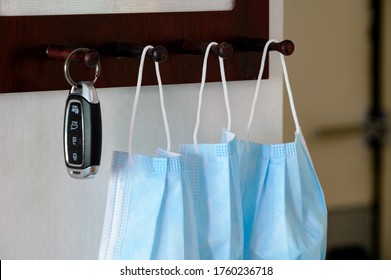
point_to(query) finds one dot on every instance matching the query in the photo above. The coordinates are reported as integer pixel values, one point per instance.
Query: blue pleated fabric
(214, 175)
(214, 172)
(284, 210)
(149, 209)
(235, 199)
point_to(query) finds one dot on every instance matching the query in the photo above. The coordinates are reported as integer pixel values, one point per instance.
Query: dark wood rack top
(24, 65)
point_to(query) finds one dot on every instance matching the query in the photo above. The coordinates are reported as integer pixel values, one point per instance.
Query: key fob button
(75, 156)
(75, 110)
(75, 140)
(74, 125)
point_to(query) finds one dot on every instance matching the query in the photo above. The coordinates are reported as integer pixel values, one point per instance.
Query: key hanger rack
(179, 39)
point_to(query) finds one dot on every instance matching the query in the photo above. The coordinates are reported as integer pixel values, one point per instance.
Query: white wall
(45, 214)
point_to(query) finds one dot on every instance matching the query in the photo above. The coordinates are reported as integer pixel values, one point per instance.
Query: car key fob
(82, 131)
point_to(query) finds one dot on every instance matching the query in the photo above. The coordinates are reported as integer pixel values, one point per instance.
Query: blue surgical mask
(214, 176)
(149, 210)
(284, 209)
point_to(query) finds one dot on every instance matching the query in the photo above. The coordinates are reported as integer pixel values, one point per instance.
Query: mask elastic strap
(136, 100)
(290, 94)
(225, 89)
(256, 94)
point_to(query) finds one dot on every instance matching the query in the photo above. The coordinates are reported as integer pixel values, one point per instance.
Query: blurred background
(339, 75)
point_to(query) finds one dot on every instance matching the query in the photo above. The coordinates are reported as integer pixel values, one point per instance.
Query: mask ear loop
(290, 94)
(163, 107)
(256, 94)
(203, 81)
(225, 90)
(136, 100)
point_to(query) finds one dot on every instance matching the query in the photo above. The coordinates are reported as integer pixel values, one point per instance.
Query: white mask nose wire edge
(203, 80)
(136, 100)
(256, 94)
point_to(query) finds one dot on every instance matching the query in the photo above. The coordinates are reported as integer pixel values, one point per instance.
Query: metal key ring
(66, 67)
